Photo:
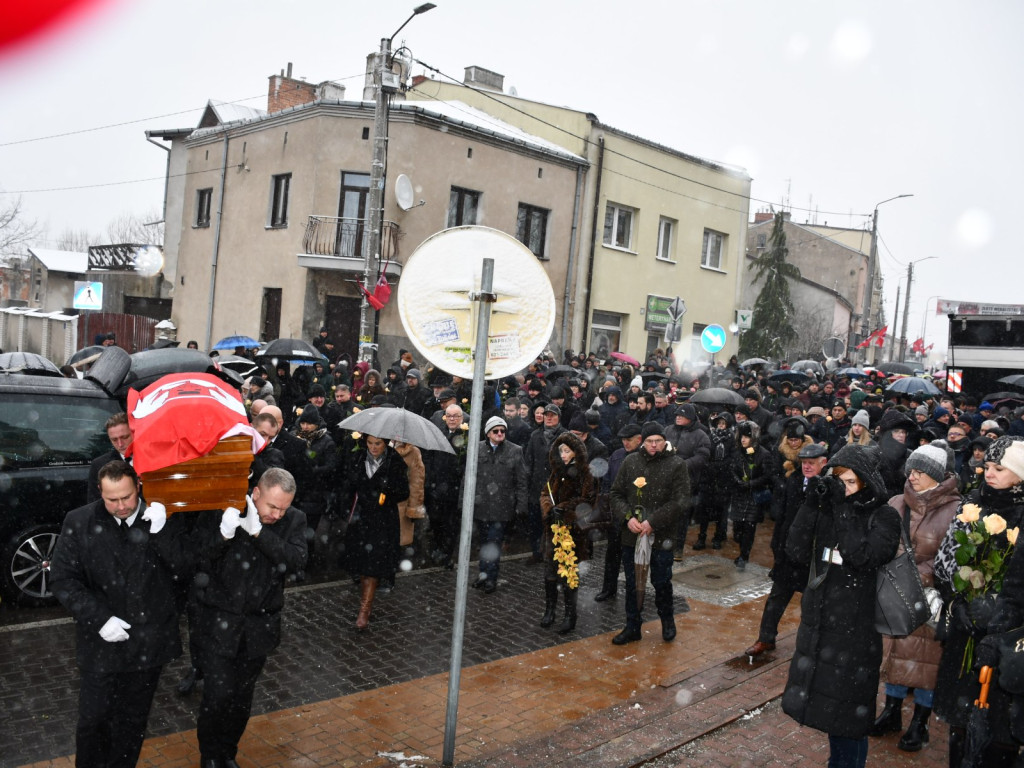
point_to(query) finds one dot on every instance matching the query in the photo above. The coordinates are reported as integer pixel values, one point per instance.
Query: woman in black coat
(752, 479)
(1002, 493)
(844, 531)
(376, 481)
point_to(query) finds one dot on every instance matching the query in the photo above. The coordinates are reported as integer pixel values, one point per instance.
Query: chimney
(484, 78)
(762, 216)
(285, 91)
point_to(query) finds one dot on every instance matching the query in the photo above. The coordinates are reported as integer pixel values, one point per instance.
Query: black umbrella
(28, 362)
(803, 365)
(291, 350)
(911, 385)
(717, 396)
(993, 396)
(858, 373)
(754, 361)
(1014, 380)
(649, 376)
(792, 376)
(894, 367)
(151, 364)
(979, 732)
(560, 370)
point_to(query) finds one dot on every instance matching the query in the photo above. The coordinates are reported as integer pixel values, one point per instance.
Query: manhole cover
(715, 579)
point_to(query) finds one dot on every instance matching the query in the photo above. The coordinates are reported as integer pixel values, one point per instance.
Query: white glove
(934, 602)
(251, 522)
(156, 514)
(229, 521)
(114, 630)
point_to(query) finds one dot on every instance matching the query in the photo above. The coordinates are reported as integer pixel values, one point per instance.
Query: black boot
(668, 629)
(891, 718)
(569, 620)
(610, 586)
(701, 542)
(187, 684)
(550, 601)
(917, 732)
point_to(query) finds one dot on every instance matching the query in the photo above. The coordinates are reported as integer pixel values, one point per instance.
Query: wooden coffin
(215, 481)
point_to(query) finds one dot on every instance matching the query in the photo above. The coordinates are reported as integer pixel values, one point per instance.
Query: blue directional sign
(712, 338)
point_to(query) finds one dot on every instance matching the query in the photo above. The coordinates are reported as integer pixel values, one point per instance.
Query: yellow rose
(465, 400)
(750, 450)
(994, 524)
(979, 470)
(969, 514)
(356, 435)
(1011, 536)
(640, 482)
(356, 410)
(464, 426)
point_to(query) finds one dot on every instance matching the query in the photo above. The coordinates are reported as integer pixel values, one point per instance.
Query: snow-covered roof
(458, 111)
(220, 112)
(62, 261)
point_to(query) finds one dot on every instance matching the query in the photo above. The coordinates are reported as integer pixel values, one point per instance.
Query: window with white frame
(204, 200)
(618, 226)
(605, 333)
(462, 207)
(532, 228)
(279, 187)
(666, 238)
(711, 253)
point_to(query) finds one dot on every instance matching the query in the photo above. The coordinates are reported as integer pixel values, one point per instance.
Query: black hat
(316, 391)
(652, 428)
(812, 451)
(578, 423)
(256, 381)
(744, 409)
(309, 415)
(446, 394)
(552, 408)
(630, 430)
(687, 410)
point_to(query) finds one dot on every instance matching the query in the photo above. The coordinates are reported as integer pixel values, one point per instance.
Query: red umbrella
(625, 358)
(182, 417)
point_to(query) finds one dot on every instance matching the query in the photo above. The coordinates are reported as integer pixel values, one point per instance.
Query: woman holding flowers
(928, 503)
(969, 572)
(570, 491)
(753, 476)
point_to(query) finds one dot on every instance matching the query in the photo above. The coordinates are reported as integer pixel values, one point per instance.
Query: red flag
(875, 336)
(880, 338)
(180, 417)
(918, 346)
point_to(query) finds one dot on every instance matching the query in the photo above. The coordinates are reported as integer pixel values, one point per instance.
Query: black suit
(102, 568)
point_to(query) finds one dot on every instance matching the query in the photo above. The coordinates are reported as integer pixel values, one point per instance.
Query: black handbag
(1011, 661)
(900, 602)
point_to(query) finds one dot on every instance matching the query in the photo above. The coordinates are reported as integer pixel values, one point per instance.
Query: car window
(39, 430)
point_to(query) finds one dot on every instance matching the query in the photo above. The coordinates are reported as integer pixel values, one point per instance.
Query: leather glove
(114, 630)
(986, 652)
(229, 521)
(251, 522)
(156, 514)
(980, 609)
(964, 614)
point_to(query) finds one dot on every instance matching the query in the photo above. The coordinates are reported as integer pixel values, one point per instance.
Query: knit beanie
(862, 418)
(309, 415)
(929, 459)
(494, 421)
(1008, 452)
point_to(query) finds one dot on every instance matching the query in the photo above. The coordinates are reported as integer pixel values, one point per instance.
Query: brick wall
(285, 92)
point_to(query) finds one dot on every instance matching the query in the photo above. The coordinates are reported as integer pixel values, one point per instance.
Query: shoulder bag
(900, 604)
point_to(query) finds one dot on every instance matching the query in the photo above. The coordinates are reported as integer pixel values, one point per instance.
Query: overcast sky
(831, 107)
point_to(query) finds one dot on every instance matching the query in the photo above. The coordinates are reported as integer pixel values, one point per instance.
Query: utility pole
(906, 306)
(385, 83)
(869, 283)
(895, 316)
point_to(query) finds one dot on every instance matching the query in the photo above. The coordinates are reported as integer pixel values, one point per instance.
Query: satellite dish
(404, 193)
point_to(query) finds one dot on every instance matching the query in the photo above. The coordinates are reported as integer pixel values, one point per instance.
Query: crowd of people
(574, 454)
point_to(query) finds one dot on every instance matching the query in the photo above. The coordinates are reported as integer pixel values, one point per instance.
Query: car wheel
(26, 566)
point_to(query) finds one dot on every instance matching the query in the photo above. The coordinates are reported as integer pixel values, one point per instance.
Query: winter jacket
(663, 497)
(500, 483)
(752, 473)
(535, 456)
(914, 661)
(693, 445)
(790, 497)
(570, 488)
(371, 505)
(833, 677)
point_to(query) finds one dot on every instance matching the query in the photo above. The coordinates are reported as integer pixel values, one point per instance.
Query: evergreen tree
(771, 329)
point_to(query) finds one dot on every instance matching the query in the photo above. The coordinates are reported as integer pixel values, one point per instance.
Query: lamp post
(924, 319)
(384, 84)
(906, 306)
(865, 317)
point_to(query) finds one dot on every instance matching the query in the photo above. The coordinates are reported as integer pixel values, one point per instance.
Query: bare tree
(131, 228)
(76, 240)
(813, 326)
(15, 230)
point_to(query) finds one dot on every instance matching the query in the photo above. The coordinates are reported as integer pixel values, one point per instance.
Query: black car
(51, 428)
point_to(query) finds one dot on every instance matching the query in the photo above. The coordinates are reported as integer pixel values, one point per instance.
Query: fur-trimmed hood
(577, 446)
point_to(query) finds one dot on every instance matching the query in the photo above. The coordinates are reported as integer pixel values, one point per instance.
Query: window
(605, 332)
(666, 230)
(711, 253)
(355, 191)
(762, 240)
(462, 207)
(204, 199)
(532, 228)
(697, 351)
(279, 199)
(618, 226)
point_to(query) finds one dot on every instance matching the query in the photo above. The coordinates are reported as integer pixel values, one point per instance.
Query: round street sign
(713, 338)
(833, 347)
(438, 308)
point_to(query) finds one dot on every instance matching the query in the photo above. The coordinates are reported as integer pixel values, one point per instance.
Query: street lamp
(906, 306)
(865, 318)
(384, 84)
(924, 319)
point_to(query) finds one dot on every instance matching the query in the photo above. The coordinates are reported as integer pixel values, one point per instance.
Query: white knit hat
(494, 421)
(862, 418)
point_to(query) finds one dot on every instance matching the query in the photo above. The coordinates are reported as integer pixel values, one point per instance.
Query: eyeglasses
(498, 431)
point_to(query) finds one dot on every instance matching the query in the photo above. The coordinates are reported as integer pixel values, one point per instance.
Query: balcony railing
(343, 238)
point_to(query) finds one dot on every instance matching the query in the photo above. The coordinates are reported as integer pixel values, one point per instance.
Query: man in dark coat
(239, 593)
(120, 437)
(415, 396)
(536, 458)
(693, 445)
(314, 469)
(758, 415)
(290, 446)
(838, 427)
(630, 438)
(611, 409)
(443, 486)
(115, 568)
(648, 497)
(788, 577)
(518, 430)
(500, 496)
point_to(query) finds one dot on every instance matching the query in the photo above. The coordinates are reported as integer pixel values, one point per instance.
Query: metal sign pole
(484, 299)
